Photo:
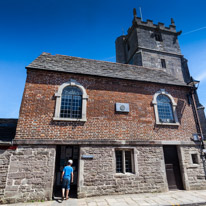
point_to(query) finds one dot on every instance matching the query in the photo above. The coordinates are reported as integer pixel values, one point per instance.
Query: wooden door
(172, 167)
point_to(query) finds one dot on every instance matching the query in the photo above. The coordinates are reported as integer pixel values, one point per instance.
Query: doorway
(63, 154)
(172, 167)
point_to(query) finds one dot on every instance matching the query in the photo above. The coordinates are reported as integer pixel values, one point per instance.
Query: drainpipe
(202, 146)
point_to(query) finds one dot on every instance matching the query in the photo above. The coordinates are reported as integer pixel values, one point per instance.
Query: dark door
(63, 154)
(172, 167)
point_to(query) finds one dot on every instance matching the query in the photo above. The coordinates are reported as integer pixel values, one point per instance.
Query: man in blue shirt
(66, 178)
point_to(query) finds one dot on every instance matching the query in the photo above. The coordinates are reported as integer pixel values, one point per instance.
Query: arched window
(71, 102)
(165, 108)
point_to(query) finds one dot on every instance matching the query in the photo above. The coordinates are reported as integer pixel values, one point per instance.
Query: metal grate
(128, 161)
(71, 103)
(164, 109)
(119, 168)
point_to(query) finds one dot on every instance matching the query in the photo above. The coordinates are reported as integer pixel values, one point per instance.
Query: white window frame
(58, 96)
(173, 104)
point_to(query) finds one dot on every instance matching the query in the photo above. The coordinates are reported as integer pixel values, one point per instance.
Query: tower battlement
(137, 21)
(149, 23)
(152, 45)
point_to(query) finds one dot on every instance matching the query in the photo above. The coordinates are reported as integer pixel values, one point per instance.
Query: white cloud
(201, 77)
(189, 32)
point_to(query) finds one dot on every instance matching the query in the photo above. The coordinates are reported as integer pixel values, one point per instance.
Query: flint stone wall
(30, 174)
(98, 175)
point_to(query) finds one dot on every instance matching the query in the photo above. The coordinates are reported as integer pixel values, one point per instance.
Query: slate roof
(7, 129)
(77, 65)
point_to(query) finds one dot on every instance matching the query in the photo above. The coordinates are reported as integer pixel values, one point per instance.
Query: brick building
(129, 126)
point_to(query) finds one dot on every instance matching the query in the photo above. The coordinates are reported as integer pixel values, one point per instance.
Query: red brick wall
(38, 106)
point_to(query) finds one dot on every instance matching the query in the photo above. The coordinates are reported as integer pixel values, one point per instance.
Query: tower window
(158, 37)
(163, 62)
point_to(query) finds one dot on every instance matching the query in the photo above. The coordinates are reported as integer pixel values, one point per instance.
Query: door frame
(57, 160)
(180, 165)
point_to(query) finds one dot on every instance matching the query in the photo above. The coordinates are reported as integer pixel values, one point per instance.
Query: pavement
(174, 198)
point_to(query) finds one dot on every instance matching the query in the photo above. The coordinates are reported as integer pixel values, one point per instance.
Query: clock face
(122, 107)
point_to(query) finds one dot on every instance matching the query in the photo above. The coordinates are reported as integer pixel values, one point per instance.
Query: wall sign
(87, 156)
(122, 107)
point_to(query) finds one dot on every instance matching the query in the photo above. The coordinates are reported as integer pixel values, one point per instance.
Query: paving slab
(172, 198)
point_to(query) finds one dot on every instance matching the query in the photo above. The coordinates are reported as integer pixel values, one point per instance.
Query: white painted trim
(58, 95)
(174, 105)
(164, 123)
(68, 119)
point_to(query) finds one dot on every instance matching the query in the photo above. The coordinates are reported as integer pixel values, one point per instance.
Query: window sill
(69, 119)
(123, 174)
(193, 166)
(168, 124)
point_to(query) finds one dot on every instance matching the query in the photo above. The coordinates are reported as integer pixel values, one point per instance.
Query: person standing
(66, 178)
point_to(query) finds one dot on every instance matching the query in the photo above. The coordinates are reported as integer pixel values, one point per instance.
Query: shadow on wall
(181, 104)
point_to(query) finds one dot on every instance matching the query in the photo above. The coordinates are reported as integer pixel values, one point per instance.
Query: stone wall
(147, 40)
(30, 174)
(5, 155)
(173, 63)
(193, 174)
(98, 176)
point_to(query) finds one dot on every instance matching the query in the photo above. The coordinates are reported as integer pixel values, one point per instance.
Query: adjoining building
(130, 127)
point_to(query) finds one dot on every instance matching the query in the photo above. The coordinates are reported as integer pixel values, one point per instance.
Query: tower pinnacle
(135, 12)
(172, 22)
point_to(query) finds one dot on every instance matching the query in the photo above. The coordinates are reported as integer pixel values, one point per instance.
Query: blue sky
(88, 29)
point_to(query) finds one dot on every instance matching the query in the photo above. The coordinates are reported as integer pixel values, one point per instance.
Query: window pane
(71, 91)
(119, 162)
(66, 106)
(164, 109)
(128, 161)
(71, 104)
(77, 107)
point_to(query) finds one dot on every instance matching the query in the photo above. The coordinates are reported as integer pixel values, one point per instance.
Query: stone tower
(152, 46)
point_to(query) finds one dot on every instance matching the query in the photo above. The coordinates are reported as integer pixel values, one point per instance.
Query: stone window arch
(71, 102)
(165, 108)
